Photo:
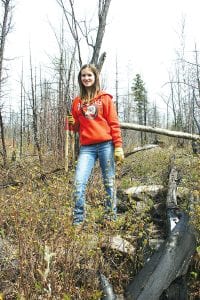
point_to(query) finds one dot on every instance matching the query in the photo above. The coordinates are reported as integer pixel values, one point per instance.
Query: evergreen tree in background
(140, 99)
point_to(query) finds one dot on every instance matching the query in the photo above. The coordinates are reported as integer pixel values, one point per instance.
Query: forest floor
(42, 256)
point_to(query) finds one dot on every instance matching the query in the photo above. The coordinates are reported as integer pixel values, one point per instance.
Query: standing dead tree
(5, 27)
(77, 31)
(195, 98)
(35, 115)
(102, 14)
(64, 66)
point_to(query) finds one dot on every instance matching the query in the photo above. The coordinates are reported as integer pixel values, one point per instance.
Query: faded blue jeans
(86, 161)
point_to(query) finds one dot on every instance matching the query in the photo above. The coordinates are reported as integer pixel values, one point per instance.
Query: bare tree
(64, 66)
(185, 89)
(33, 99)
(21, 112)
(5, 27)
(78, 31)
(196, 98)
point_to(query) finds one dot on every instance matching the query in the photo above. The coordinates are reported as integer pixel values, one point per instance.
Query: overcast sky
(143, 34)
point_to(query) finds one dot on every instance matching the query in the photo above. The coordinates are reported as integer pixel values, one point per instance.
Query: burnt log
(165, 270)
(166, 265)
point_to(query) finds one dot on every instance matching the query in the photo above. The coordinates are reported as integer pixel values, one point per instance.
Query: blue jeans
(86, 161)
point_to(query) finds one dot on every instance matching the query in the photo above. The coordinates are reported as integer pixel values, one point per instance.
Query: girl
(95, 118)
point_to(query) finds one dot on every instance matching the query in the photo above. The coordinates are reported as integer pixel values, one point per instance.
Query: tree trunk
(178, 134)
(102, 12)
(5, 27)
(77, 29)
(4, 153)
(35, 117)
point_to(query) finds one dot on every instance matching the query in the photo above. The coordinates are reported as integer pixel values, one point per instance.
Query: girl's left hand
(119, 154)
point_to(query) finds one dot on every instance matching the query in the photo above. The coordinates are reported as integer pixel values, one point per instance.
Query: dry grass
(53, 259)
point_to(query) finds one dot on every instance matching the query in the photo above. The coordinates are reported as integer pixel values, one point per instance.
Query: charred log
(162, 277)
(166, 265)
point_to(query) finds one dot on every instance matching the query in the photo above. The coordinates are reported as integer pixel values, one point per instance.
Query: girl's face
(87, 77)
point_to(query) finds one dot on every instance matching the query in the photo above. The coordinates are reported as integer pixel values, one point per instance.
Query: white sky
(143, 34)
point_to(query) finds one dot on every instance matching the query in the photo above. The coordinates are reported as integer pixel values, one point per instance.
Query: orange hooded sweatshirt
(97, 121)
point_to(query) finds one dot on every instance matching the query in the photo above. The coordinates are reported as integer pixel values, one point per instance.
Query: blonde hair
(96, 86)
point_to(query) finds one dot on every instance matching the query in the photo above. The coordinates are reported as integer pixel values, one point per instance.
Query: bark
(167, 264)
(4, 152)
(35, 116)
(171, 200)
(177, 134)
(142, 191)
(102, 12)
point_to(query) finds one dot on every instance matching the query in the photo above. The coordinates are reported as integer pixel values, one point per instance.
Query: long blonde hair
(96, 86)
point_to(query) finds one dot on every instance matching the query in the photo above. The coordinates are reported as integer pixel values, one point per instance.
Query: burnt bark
(167, 264)
(170, 262)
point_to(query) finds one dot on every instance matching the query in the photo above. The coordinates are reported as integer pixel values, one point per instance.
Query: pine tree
(140, 98)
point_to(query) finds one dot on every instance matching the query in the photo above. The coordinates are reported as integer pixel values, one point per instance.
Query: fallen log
(141, 190)
(168, 263)
(178, 134)
(138, 149)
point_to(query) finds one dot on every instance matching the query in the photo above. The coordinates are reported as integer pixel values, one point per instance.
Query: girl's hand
(119, 154)
(70, 120)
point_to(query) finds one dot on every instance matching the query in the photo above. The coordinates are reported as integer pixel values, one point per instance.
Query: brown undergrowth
(47, 258)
